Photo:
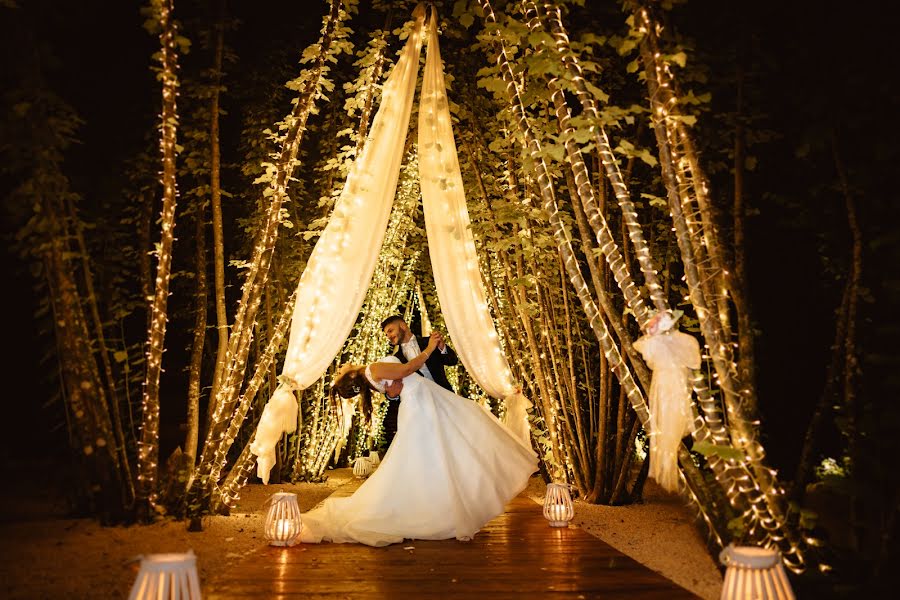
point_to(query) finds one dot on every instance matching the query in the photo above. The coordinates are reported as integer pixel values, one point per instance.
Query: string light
(560, 233)
(148, 447)
(279, 176)
(701, 270)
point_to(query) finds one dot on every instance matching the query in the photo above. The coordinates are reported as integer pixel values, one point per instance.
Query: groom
(408, 347)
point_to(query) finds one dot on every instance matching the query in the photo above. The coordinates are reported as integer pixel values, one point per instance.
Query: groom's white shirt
(411, 350)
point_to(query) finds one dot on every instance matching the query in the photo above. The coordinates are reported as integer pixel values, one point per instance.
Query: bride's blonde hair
(349, 383)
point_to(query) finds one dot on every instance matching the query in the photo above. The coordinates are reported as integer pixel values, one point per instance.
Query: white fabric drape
(452, 248)
(671, 355)
(334, 284)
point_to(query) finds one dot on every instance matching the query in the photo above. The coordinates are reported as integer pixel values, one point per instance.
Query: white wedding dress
(451, 468)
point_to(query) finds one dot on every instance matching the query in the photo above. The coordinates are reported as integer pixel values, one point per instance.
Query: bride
(451, 468)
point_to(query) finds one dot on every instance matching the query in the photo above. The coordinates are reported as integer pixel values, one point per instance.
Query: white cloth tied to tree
(279, 417)
(451, 246)
(671, 355)
(334, 284)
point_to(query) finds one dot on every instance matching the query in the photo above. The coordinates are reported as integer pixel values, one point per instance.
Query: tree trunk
(767, 522)
(850, 405)
(192, 437)
(740, 293)
(215, 189)
(828, 398)
(81, 380)
(118, 448)
(239, 341)
(560, 233)
(610, 164)
(148, 448)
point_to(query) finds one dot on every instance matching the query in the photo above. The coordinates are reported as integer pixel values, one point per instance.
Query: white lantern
(754, 574)
(167, 577)
(283, 522)
(363, 467)
(558, 507)
(374, 458)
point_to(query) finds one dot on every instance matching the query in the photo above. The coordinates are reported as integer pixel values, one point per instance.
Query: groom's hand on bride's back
(392, 390)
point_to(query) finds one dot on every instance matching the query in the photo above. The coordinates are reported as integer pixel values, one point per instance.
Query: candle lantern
(374, 458)
(363, 467)
(558, 509)
(754, 573)
(170, 576)
(283, 522)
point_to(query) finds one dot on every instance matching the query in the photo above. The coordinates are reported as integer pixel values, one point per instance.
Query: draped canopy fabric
(334, 284)
(451, 246)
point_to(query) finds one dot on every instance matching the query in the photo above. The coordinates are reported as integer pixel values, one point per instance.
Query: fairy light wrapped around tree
(283, 522)
(671, 355)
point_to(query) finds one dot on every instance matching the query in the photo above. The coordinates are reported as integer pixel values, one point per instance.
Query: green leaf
(539, 37)
(493, 84)
(597, 92)
(654, 200)
(737, 526)
(555, 151)
(722, 451)
(590, 38)
(686, 119)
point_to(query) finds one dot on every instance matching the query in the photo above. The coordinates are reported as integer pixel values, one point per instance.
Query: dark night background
(817, 65)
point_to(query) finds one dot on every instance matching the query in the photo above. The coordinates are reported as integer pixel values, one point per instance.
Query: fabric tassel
(278, 417)
(516, 417)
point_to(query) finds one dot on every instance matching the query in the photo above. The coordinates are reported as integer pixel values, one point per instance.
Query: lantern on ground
(283, 522)
(754, 574)
(167, 577)
(558, 509)
(374, 458)
(363, 467)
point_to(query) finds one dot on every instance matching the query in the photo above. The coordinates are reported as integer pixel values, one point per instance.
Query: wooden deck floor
(517, 555)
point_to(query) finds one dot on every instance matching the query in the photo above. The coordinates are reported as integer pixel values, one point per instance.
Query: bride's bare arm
(399, 370)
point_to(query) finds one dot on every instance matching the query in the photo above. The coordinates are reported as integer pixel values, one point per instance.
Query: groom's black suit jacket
(435, 363)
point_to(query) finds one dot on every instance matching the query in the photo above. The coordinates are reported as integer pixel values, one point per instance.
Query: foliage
(797, 239)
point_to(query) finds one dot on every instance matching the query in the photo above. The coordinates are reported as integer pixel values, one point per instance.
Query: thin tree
(164, 24)
(279, 175)
(215, 188)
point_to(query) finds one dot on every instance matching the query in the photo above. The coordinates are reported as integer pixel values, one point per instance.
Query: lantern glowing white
(167, 577)
(363, 467)
(374, 458)
(283, 522)
(558, 509)
(754, 574)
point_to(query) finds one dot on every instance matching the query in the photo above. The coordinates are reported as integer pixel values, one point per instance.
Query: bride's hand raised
(434, 340)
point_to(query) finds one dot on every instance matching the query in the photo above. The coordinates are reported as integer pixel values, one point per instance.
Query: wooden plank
(516, 554)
